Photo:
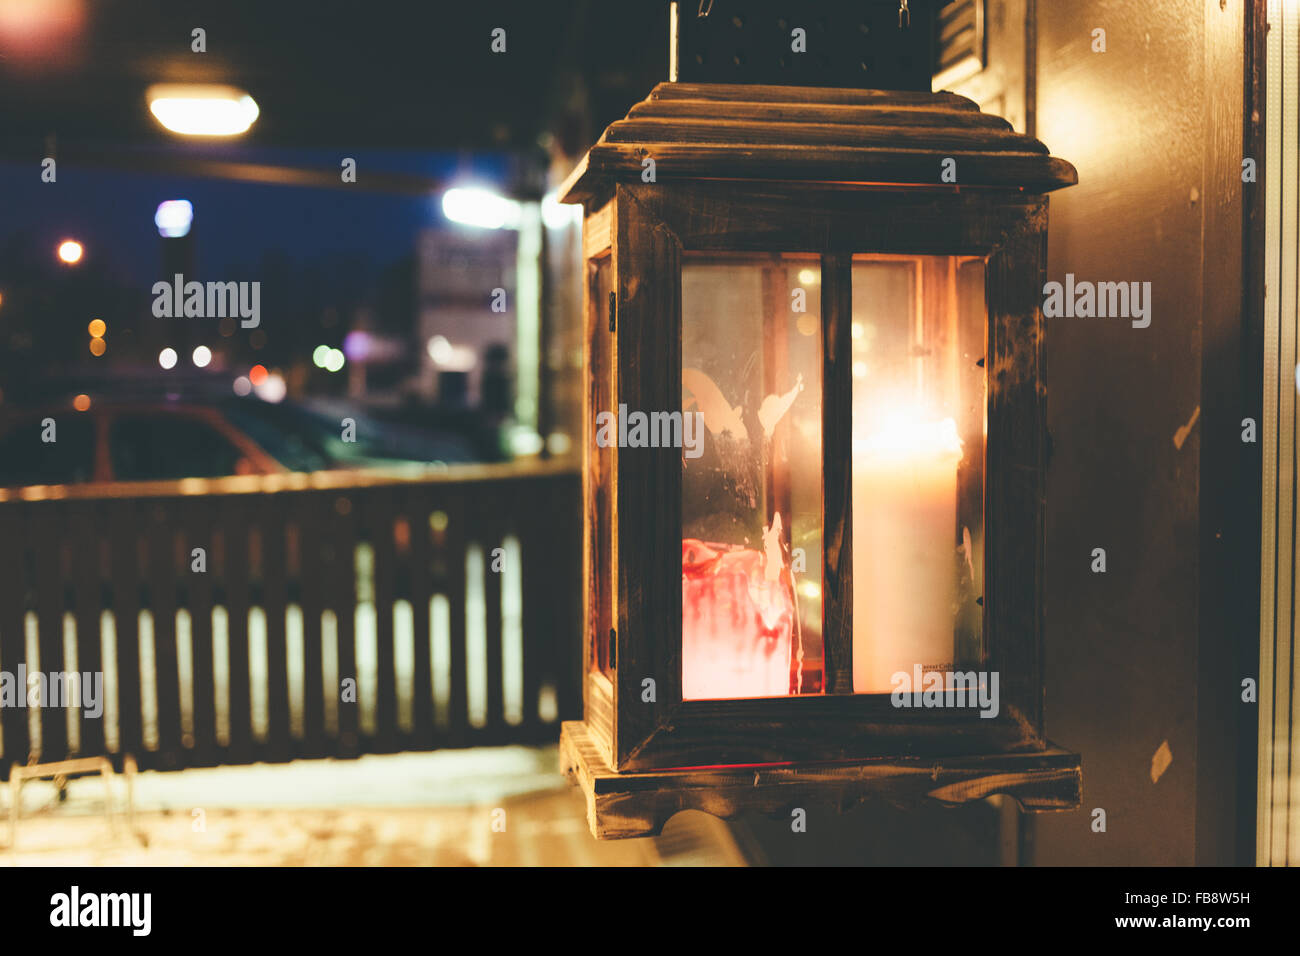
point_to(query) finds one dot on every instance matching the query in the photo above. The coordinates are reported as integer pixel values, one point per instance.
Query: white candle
(904, 516)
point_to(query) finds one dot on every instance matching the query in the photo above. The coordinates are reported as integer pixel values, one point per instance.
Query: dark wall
(1140, 655)
(1148, 461)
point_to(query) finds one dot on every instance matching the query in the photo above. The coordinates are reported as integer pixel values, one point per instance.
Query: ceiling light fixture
(202, 109)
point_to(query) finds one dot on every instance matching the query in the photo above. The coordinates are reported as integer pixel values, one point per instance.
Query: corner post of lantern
(648, 343)
(1018, 441)
(837, 482)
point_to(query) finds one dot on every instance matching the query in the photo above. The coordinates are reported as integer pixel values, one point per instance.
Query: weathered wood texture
(648, 481)
(640, 803)
(696, 131)
(279, 561)
(1015, 499)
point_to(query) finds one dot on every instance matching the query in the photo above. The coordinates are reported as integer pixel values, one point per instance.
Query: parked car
(162, 440)
(373, 443)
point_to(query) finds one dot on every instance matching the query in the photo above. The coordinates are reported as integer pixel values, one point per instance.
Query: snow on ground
(416, 809)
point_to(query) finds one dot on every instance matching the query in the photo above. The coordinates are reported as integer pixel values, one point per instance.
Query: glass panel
(751, 488)
(919, 428)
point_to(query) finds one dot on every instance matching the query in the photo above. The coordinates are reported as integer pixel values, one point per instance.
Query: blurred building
(457, 274)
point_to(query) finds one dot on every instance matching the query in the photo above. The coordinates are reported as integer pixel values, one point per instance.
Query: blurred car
(373, 443)
(160, 441)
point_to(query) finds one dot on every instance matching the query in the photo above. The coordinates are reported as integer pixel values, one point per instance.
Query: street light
(475, 206)
(202, 109)
(173, 218)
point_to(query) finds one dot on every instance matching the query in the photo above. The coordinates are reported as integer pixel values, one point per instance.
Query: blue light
(173, 218)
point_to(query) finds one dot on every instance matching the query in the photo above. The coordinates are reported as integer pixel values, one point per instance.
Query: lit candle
(904, 583)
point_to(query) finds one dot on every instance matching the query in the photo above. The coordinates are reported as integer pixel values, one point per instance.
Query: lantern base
(639, 803)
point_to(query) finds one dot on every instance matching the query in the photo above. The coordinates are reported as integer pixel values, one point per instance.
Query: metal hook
(903, 12)
(706, 7)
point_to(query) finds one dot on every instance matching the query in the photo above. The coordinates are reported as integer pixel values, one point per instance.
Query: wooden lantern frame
(831, 173)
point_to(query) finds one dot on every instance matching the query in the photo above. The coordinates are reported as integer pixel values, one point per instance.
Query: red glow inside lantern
(738, 623)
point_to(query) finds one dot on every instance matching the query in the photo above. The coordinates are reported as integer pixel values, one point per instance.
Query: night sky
(235, 223)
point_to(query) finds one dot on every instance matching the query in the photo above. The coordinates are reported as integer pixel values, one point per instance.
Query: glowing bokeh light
(558, 215)
(358, 345)
(98, 346)
(70, 251)
(173, 218)
(81, 402)
(257, 375)
(167, 358)
(474, 206)
(41, 33)
(97, 328)
(272, 387)
(440, 350)
(201, 109)
(451, 358)
(202, 356)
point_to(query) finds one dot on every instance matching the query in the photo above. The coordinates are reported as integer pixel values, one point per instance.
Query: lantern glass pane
(919, 429)
(751, 480)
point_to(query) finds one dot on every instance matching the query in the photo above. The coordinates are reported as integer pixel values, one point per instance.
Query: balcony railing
(266, 618)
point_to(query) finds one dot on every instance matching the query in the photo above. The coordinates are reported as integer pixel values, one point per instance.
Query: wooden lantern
(840, 289)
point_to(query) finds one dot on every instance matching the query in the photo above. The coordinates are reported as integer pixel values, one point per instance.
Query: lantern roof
(711, 131)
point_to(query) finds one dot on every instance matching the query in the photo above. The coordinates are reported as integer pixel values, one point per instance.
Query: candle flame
(906, 440)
